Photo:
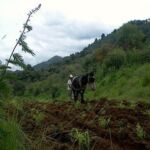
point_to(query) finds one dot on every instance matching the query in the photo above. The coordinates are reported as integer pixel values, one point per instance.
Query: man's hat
(71, 76)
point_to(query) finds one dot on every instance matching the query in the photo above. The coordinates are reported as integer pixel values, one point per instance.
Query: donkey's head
(91, 80)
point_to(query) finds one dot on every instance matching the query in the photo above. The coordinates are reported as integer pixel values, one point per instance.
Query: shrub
(129, 37)
(55, 92)
(77, 105)
(37, 91)
(140, 132)
(18, 88)
(138, 57)
(115, 60)
(5, 89)
(38, 116)
(104, 122)
(146, 81)
(11, 136)
(82, 138)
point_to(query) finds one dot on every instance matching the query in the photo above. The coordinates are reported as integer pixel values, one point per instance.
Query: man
(69, 84)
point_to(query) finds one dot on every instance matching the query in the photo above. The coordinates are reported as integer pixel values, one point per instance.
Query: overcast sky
(62, 27)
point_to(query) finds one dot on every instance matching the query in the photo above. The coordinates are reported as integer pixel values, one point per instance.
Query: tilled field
(96, 125)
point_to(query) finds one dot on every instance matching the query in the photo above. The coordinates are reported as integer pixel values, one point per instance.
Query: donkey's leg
(75, 93)
(82, 96)
(72, 95)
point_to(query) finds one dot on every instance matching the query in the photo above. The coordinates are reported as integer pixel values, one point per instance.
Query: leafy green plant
(104, 122)
(5, 89)
(77, 105)
(121, 105)
(147, 112)
(38, 117)
(82, 138)
(11, 136)
(55, 92)
(140, 132)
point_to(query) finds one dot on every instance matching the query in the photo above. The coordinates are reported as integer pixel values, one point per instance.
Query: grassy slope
(11, 134)
(132, 83)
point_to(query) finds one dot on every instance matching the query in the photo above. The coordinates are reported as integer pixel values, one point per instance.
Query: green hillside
(43, 65)
(120, 59)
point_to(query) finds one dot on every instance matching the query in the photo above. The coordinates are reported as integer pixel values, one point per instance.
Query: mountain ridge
(53, 60)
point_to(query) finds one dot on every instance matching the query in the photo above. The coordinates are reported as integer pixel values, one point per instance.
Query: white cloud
(62, 27)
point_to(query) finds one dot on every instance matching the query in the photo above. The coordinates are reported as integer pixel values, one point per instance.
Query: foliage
(129, 37)
(5, 89)
(104, 122)
(18, 88)
(82, 138)
(77, 105)
(55, 92)
(16, 58)
(140, 132)
(115, 59)
(38, 116)
(11, 137)
(147, 112)
(117, 84)
(138, 57)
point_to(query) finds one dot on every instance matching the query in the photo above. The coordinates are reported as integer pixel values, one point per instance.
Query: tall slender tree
(16, 58)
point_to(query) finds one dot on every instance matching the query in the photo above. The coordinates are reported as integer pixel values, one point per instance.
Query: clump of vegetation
(104, 122)
(103, 111)
(147, 112)
(121, 105)
(132, 105)
(77, 105)
(82, 138)
(11, 136)
(115, 60)
(140, 133)
(146, 80)
(38, 116)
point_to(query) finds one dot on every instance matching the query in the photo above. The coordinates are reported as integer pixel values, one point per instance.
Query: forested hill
(43, 65)
(121, 60)
(132, 35)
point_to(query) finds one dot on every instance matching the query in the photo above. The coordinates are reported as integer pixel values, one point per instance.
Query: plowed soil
(49, 125)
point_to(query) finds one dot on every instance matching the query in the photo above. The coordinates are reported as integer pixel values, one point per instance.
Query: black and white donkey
(79, 84)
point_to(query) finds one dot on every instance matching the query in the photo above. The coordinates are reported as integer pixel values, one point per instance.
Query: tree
(16, 58)
(102, 36)
(115, 59)
(130, 37)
